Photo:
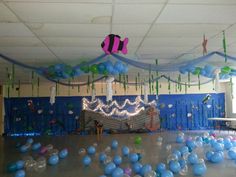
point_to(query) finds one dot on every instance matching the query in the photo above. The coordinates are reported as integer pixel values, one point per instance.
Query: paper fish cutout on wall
(31, 105)
(208, 106)
(170, 105)
(206, 99)
(189, 114)
(113, 44)
(40, 111)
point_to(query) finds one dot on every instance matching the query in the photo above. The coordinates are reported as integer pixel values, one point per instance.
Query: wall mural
(36, 116)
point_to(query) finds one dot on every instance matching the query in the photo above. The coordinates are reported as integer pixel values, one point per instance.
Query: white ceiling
(42, 32)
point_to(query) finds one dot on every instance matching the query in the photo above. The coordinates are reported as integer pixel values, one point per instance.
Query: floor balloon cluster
(179, 160)
(43, 155)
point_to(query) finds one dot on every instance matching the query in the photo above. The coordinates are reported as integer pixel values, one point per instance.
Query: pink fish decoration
(113, 44)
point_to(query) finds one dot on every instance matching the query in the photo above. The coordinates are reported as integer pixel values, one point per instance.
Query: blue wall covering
(180, 111)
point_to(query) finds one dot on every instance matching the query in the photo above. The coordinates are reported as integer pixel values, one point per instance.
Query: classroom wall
(118, 89)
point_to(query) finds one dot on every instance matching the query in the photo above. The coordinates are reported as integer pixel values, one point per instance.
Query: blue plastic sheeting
(185, 111)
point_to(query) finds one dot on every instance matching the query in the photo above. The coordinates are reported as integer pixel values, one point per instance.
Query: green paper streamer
(231, 87)
(141, 89)
(124, 84)
(152, 84)
(56, 87)
(185, 85)
(157, 83)
(69, 87)
(224, 46)
(38, 87)
(169, 84)
(136, 82)
(88, 83)
(8, 83)
(13, 76)
(199, 83)
(78, 89)
(189, 79)
(19, 88)
(119, 77)
(176, 86)
(139, 79)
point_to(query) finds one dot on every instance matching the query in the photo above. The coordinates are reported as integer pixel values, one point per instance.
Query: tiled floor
(72, 165)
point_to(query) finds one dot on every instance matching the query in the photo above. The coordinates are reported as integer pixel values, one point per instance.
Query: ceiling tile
(202, 2)
(71, 42)
(185, 30)
(70, 30)
(62, 12)
(20, 41)
(64, 1)
(198, 14)
(130, 30)
(28, 54)
(136, 13)
(139, 1)
(14, 29)
(6, 15)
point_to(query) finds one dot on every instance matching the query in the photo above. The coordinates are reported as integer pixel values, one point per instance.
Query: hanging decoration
(52, 95)
(145, 90)
(204, 45)
(109, 81)
(224, 46)
(113, 44)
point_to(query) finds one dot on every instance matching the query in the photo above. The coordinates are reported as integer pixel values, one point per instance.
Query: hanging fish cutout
(189, 114)
(70, 112)
(113, 44)
(31, 105)
(206, 99)
(208, 106)
(50, 111)
(170, 105)
(40, 111)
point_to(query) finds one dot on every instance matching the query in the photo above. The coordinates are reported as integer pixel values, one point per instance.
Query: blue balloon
(179, 139)
(53, 160)
(174, 166)
(203, 72)
(133, 157)
(102, 157)
(63, 153)
(109, 168)
(118, 172)
(184, 149)
(36, 146)
(199, 169)
(118, 66)
(145, 169)
(191, 144)
(137, 167)
(101, 68)
(208, 155)
(102, 176)
(114, 144)
(182, 163)
(24, 148)
(117, 159)
(29, 141)
(228, 145)
(232, 154)
(193, 158)
(125, 151)
(11, 167)
(114, 72)
(217, 157)
(91, 150)
(20, 164)
(183, 70)
(218, 146)
(166, 173)
(20, 173)
(78, 71)
(86, 160)
(226, 140)
(160, 167)
(177, 153)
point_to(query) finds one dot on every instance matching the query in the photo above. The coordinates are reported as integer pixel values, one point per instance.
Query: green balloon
(197, 71)
(94, 69)
(138, 140)
(225, 70)
(85, 69)
(105, 72)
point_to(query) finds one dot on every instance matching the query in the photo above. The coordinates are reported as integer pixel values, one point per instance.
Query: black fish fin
(111, 42)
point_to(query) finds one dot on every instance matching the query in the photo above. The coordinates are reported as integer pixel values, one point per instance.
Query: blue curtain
(175, 111)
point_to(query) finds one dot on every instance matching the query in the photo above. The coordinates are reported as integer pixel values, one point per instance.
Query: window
(234, 95)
